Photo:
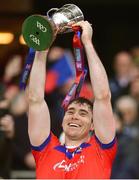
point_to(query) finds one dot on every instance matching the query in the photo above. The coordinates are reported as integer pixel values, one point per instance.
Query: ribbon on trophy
(81, 72)
(27, 69)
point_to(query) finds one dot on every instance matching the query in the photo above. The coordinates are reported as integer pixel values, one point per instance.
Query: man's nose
(75, 116)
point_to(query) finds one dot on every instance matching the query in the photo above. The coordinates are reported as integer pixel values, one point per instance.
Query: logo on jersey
(64, 166)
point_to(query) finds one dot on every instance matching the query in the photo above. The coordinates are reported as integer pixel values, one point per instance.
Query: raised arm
(38, 117)
(104, 124)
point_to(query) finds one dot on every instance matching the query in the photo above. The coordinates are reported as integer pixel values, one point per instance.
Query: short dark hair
(82, 100)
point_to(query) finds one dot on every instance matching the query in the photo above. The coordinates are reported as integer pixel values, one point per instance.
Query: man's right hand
(87, 31)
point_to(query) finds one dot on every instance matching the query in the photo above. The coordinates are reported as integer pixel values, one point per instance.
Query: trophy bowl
(40, 31)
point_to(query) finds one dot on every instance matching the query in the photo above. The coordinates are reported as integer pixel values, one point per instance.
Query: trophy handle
(66, 5)
(50, 10)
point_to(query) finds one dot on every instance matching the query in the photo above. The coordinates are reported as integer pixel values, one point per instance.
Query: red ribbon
(81, 72)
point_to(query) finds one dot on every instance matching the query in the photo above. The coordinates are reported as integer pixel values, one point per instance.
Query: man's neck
(75, 142)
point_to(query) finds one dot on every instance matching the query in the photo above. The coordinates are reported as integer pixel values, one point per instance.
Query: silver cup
(40, 31)
(62, 17)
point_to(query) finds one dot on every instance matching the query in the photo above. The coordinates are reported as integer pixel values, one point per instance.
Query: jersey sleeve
(39, 151)
(108, 150)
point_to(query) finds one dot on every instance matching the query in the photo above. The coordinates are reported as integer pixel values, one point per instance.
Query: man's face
(77, 121)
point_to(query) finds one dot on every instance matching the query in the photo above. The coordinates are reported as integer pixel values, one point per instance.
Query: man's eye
(70, 112)
(83, 114)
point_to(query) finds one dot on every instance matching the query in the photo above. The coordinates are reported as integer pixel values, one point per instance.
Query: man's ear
(92, 127)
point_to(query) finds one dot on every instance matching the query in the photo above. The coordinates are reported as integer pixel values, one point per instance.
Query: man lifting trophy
(40, 31)
(89, 146)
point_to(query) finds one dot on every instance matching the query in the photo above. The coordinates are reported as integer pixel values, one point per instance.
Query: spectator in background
(123, 67)
(10, 80)
(7, 131)
(22, 157)
(135, 54)
(128, 108)
(61, 70)
(134, 89)
(13, 70)
(126, 163)
(11, 92)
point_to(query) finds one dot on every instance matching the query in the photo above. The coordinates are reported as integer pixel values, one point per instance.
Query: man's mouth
(74, 125)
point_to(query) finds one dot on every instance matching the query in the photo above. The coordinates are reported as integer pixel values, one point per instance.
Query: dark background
(115, 24)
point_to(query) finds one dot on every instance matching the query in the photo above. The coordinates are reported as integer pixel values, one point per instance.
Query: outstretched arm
(39, 117)
(104, 124)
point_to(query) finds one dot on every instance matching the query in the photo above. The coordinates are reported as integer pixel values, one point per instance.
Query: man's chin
(73, 135)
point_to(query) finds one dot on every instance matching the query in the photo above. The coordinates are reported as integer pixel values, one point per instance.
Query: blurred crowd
(124, 87)
(15, 152)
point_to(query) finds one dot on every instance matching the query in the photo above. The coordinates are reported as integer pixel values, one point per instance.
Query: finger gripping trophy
(40, 31)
